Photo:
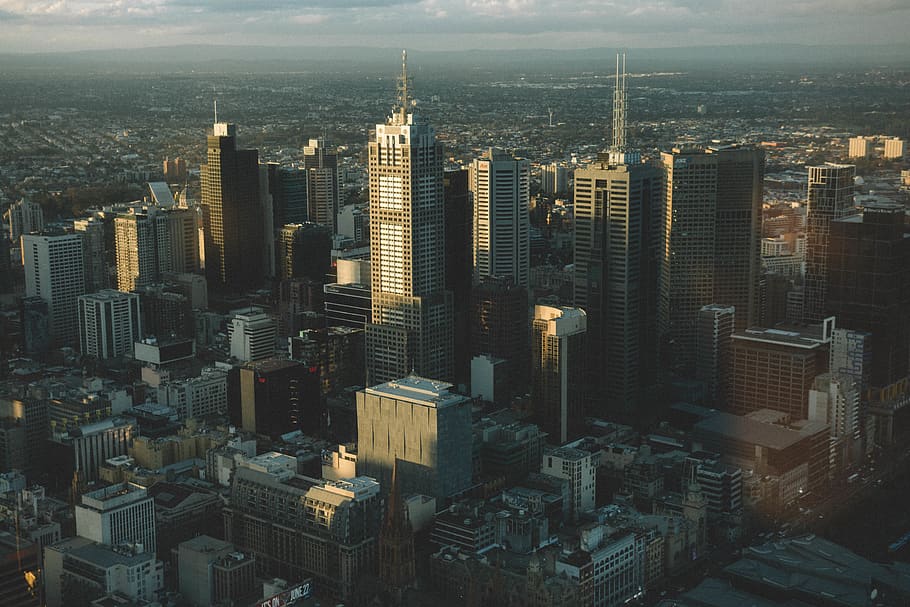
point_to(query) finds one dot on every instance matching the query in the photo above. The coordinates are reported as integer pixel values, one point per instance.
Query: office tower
(321, 165)
(830, 197)
(232, 213)
(500, 190)
(165, 314)
(895, 148)
(835, 400)
(136, 239)
(499, 328)
(109, 323)
(712, 357)
(305, 251)
(348, 301)
(287, 185)
(423, 426)
(554, 179)
(252, 335)
(54, 271)
(196, 397)
(558, 352)
(354, 223)
(775, 369)
(152, 241)
(92, 230)
(851, 356)
(869, 285)
(859, 147)
(301, 303)
(35, 315)
(119, 514)
(332, 525)
(6, 267)
(411, 328)
(617, 213)
(174, 170)
(279, 396)
(579, 467)
(81, 449)
(711, 242)
(23, 217)
(336, 351)
(459, 264)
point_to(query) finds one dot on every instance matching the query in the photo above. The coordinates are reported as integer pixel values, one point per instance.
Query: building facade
(412, 316)
(55, 272)
(109, 323)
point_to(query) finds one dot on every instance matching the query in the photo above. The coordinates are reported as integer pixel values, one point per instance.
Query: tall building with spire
(617, 211)
(232, 212)
(411, 328)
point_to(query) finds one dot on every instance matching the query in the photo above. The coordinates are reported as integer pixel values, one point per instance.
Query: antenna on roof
(619, 106)
(216, 111)
(404, 96)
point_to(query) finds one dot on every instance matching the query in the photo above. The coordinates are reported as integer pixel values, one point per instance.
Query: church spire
(396, 543)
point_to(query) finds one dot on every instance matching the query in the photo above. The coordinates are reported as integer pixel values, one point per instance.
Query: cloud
(30, 24)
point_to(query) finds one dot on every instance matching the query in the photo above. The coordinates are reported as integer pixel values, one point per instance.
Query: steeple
(396, 543)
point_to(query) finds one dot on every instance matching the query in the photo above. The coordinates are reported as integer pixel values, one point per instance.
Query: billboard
(289, 597)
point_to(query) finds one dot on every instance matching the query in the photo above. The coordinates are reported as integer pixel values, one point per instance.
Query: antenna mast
(216, 111)
(404, 97)
(619, 106)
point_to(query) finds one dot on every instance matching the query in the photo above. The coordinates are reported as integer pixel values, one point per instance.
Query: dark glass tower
(232, 212)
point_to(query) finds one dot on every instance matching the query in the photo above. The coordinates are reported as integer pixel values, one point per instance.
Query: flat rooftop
(420, 390)
(753, 431)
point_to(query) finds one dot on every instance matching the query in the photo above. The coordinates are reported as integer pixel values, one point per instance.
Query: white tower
(411, 326)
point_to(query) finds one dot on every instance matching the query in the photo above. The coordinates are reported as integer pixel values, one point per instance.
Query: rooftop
(760, 433)
(420, 390)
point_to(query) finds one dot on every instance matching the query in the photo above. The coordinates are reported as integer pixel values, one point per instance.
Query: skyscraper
(411, 326)
(321, 164)
(92, 230)
(869, 285)
(54, 271)
(232, 212)
(617, 214)
(711, 242)
(558, 370)
(151, 241)
(830, 197)
(24, 217)
(109, 323)
(305, 251)
(119, 514)
(459, 264)
(713, 343)
(499, 183)
(279, 396)
(499, 327)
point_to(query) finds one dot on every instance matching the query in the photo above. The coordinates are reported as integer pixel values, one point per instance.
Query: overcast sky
(54, 25)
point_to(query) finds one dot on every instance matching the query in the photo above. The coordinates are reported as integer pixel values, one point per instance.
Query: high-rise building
(287, 185)
(196, 397)
(554, 178)
(152, 241)
(321, 164)
(118, 514)
(411, 328)
(617, 210)
(859, 147)
(55, 272)
(501, 192)
(712, 341)
(830, 197)
(6, 267)
(174, 170)
(895, 148)
(711, 243)
(499, 328)
(459, 264)
(92, 230)
(35, 317)
(558, 353)
(305, 251)
(423, 426)
(24, 217)
(869, 285)
(851, 355)
(279, 396)
(232, 212)
(775, 369)
(109, 323)
(252, 335)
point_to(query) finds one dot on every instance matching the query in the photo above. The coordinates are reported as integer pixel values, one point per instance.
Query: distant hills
(278, 58)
